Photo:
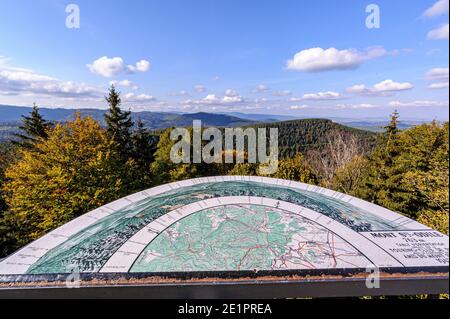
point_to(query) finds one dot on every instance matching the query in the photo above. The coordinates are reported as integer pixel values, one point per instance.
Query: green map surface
(89, 249)
(246, 237)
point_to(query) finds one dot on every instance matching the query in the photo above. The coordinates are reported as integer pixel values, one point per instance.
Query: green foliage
(302, 136)
(144, 145)
(244, 169)
(435, 219)
(119, 124)
(349, 178)
(71, 172)
(408, 171)
(7, 157)
(295, 169)
(33, 127)
(163, 169)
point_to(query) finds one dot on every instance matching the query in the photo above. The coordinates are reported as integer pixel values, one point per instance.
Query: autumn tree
(295, 169)
(72, 172)
(8, 155)
(350, 177)
(339, 150)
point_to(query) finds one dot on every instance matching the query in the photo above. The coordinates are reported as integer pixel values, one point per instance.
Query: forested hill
(312, 134)
(152, 120)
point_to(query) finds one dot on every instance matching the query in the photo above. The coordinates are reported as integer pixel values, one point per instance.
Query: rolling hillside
(311, 134)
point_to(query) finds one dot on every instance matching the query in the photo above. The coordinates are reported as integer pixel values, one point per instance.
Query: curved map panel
(232, 223)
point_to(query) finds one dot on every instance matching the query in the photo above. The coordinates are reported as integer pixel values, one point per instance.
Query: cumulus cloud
(438, 8)
(440, 33)
(319, 96)
(210, 98)
(109, 67)
(231, 96)
(319, 59)
(389, 86)
(386, 87)
(140, 66)
(260, 88)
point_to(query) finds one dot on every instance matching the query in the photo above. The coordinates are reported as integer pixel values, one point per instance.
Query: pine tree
(144, 146)
(33, 127)
(119, 124)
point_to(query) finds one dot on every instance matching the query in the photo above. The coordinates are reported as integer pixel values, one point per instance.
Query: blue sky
(304, 58)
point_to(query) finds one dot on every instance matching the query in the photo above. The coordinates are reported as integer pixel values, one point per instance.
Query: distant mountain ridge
(152, 120)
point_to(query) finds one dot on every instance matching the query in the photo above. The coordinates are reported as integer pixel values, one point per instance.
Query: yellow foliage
(64, 176)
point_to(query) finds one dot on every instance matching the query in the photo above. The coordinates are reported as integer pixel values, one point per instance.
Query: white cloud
(436, 74)
(440, 33)
(418, 103)
(438, 8)
(124, 83)
(282, 93)
(132, 97)
(216, 78)
(231, 96)
(19, 81)
(260, 88)
(439, 76)
(383, 88)
(109, 67)
(321, 96)
(211, 98)
(318, 59)
(140, 66)
(357, 89)
(389, 86)
(438, 85)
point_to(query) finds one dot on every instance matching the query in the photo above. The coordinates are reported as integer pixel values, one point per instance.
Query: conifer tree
(33, 128)
(119, 124)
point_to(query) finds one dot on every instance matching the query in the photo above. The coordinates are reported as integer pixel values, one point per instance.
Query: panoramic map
(259, 223)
